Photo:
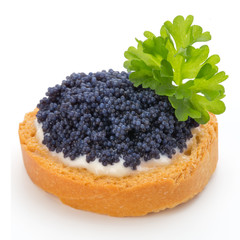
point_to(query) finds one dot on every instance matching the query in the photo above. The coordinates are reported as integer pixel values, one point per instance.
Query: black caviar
(102, 115)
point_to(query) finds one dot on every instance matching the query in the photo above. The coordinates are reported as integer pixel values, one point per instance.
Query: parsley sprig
(171, 66)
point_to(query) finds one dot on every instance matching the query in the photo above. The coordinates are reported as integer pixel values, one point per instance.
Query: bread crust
(134, 195)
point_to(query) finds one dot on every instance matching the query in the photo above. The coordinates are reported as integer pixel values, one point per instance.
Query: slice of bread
(134, 195)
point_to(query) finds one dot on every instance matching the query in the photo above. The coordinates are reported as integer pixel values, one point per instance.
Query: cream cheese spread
(96, 167)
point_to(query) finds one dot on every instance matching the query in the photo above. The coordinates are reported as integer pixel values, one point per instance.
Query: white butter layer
(96, 167)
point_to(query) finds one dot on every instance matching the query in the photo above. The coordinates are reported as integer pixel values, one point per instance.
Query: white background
(44, 41)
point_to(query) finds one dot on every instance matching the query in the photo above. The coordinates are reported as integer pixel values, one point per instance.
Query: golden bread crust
(134, 195)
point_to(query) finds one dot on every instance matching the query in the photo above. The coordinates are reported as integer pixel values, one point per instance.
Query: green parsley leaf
(171, 66)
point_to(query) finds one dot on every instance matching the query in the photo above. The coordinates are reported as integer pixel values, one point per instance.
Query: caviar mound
(103, 116)
(134, 195)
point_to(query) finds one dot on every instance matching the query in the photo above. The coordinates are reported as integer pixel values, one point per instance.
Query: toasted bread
(134, 195)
